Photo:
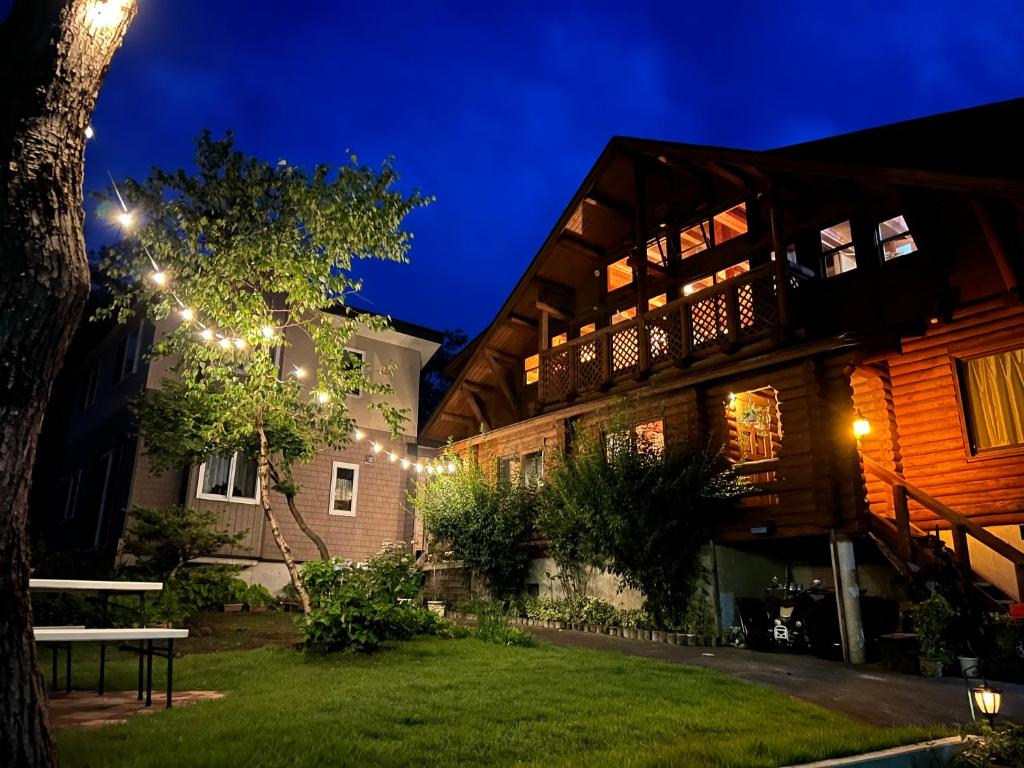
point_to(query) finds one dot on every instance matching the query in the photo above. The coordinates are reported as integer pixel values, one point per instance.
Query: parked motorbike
(802, 618)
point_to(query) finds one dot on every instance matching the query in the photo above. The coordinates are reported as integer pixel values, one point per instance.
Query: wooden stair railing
(961, 527)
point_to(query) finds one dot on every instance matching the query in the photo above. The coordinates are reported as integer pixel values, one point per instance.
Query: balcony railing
(721, 318)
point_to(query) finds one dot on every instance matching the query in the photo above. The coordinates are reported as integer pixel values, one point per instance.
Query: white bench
(63, 637)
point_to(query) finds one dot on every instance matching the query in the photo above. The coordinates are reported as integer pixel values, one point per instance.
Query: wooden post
(1018, 571)
(732, 318)
(899, 505)
(963, 554)
(781, 263)
(638, 261)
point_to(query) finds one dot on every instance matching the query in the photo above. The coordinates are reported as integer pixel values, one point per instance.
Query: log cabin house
(843, 315)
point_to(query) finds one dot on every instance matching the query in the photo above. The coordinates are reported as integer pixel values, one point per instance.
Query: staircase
(913, 551)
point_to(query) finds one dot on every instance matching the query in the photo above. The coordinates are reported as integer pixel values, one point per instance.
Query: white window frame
(355, 489)
(362, 357)
(122, 373)
(228, 496)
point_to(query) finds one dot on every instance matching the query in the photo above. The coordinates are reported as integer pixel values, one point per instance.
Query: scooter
(800, 618)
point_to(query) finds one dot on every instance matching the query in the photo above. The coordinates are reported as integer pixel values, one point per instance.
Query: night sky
(501, 111)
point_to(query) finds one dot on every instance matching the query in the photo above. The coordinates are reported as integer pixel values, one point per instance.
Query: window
(993, 388)
(128, 355)
(67, 494)
(837, 251)
(354, 360)
(648, 435)
(92, 382)
(657, 251)
(619, 274)
(344, 488)
(507, 469)
(531, 368)
(718, 277)
(623, 315)
(657, 301)
(533, 468)
(588, 328)
(559, 340)
(693, 240)
(228, 478)
(731, 223)
(894, 238)
(104, 468)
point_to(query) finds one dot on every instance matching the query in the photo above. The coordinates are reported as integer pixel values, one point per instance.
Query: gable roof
(960, 151)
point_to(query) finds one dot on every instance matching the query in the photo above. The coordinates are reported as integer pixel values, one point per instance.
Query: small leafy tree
(641, 511)
(249, 256)
(162, 540)
(486, 524)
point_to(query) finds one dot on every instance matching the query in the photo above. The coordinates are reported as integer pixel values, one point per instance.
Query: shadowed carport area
(868, 693)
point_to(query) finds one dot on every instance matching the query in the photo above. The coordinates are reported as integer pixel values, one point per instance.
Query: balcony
(722, 318)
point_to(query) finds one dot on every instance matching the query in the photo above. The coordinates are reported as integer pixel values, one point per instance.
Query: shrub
(932, 619)
(162, 540)
(257, 594)
(1002, 746)
(485, 524)
(360, 607)
(493, 627)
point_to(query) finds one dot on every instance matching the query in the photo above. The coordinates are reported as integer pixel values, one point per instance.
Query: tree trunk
(289, 495)
(263, 469)
(53, 57)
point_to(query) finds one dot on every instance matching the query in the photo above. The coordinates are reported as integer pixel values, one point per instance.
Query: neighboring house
(94, 466)
(777, 301)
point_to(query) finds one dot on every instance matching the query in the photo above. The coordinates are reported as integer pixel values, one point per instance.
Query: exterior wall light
(861, 426)
(988, 700)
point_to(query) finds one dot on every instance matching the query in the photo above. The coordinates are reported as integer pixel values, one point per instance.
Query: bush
(162, 540)
(485, 524)
(1002, 746)
(258, 595)
(590, 610)
(493, 627)
(361, 607)
(932, 620)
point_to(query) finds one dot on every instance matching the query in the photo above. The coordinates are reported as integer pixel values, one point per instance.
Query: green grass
(435, 702)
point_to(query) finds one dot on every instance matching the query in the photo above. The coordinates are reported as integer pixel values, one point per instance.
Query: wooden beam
(603, 201)
(460, 419)
(555, 299)
(476, 406)
(995, 245)
(502, 373)
(574, 242)
(720, 170)
(504, 358)
(522, 321)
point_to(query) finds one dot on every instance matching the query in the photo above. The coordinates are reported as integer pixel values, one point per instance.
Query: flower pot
(613, 631)
(559, 625)
(644, 634)
(233, 607)
(673, 638)
(930, 667)
(436, 606)
(257, 609)
(970, 666)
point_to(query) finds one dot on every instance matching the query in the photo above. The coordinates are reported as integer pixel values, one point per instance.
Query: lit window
(718, 277)
(533, 468)
(994, 398)
(588, 328)
(228, 478)
(657, 301)
(531, 366)
(693, 240)
(619, 274)
(837, 249)
(895, 239)
(657, 251)
(623, 315)
(731, 223)
(559, 340)
(344, 487)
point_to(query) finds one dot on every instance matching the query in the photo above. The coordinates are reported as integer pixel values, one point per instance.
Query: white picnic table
(61, 638)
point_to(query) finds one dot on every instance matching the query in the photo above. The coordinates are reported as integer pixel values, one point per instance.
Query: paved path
(87, 709)
(869, 694)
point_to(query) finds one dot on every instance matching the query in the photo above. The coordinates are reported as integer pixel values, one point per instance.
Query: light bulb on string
(225, 343)
(419, 469)
(392, 457)
(267, 331)
(89, 132)
(126, 219)
(187, 315)
(377, 448)
(159, 278)
(405, 463)
(322, 398)
(299, 372)
(206, 334)
(359, 435)
(239, 343)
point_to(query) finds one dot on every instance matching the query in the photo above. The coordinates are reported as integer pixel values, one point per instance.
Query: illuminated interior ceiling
(731, 223)
(619, 274)
(692, 240)
(657, 301)
(624, 314)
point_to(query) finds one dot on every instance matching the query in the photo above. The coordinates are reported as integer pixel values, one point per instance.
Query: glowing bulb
(187, 315)
(105, 14)
(359, 435)
(224, 343)
(419, 469)
(392, 457)
(159, 278)
(405, 463)
(206, 335)
(376, 447)
(323, 397)
(89, 132)
(267, 331)
(299, 372)
(126, 219)
(732, 399)
(861, 427)
(430, 469)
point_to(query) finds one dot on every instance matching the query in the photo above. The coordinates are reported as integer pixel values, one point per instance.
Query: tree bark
(263, 470)
(289, 496)
(54, 55)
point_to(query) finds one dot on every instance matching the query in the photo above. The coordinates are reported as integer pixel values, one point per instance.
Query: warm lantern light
(732, 399)
(988, 699)
(89, 132)
(861, 426)
(322, 397)
(376, 447)
(126, 219)
(206, 335)
(267, 331)
(359, 435)
(405, 463)
(392, 457)
(187, 315)
(299, 372)
(159, 278)
(104, 14)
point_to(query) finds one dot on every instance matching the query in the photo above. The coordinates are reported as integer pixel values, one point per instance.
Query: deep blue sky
(500, 111)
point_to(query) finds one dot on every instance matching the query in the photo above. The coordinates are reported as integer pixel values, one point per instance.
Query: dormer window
(837, 252)
(894, 238)
(619, 274)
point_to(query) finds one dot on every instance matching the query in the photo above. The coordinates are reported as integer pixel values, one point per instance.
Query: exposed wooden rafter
(502, 368)
(476, 405)
(522, 321)
(610, 204)
(575, 242)
(995, 245)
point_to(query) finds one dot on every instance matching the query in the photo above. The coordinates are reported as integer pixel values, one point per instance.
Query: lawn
(435, 702)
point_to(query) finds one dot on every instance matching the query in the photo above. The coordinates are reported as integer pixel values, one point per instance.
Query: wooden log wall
(872, 396)
(988, 488)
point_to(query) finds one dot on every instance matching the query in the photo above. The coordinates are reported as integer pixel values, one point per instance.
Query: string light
(376, 447)
(240, 343)
(299, 372)
(405, 463)
(267, 331)
(359, 435)
(159, 278)
(126, 219)
(207, 334)
(89, 132)
(224, 343)
(187, 315)
(419, 468)
(392, 457)
(322, 397)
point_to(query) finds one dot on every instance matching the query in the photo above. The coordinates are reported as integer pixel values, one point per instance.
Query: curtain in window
(343, 482)
(995, 391)
(244, 485)
(215, 475)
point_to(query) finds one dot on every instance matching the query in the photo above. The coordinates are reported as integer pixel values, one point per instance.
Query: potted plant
(258, 598)
(932, 619)
(436, 606)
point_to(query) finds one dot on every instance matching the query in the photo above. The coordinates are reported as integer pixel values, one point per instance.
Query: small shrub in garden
(493, 627)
